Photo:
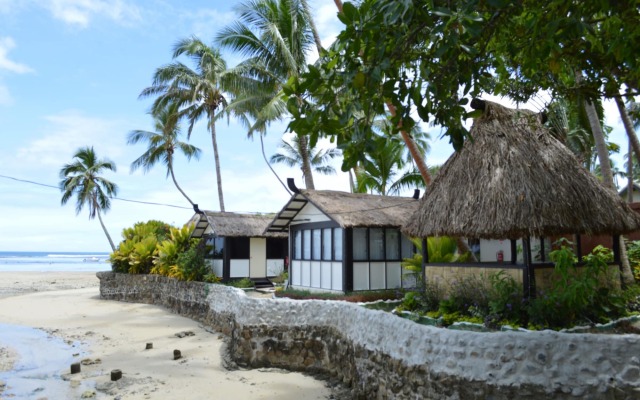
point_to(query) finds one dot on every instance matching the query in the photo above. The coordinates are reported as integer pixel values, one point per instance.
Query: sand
(109, 335)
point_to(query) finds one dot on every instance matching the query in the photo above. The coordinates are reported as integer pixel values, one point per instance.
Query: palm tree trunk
(306, 162)
(216, 157)
(175, 182)
(607, 178)
(628, 126)
(312, 24)
(630, 174)
(270, 167)
(104, 228)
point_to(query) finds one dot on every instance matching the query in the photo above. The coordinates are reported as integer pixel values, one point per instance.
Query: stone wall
(381, 356)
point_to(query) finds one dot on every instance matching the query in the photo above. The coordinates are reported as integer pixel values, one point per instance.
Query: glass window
(306, 244)
(238, 248)
(376, 244)
(276, 248)
(326, 244)
(337, 244)
(317, 243)
(298, 245)
(392, 244)
(407, 247)
(218, 247)
(360, 244)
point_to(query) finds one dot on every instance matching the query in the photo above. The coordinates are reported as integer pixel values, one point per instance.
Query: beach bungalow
(514, 186)
(240, 247)
(345, 242)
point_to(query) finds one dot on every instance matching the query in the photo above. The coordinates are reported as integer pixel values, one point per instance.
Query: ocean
(40, 261)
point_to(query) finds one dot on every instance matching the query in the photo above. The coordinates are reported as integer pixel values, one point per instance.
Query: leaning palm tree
(290, 154)
(197, 91)
(163, 143)
(275, 36)
(82, 179)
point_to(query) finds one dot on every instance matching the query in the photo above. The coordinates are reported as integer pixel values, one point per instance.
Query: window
(238, 247)
(276, 248)
(317, 243)
(326, 244)
(376, 244)
(407, 247)
(297, 246)
(360, 244)
(215, 247)
(392, 244)
(337, 244)
(306, 244)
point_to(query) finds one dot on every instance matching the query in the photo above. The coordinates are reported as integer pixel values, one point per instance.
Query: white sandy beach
(112, 335)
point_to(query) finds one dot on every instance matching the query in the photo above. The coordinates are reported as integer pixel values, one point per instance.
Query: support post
(514, 252)
(425, 260)
(529, 274)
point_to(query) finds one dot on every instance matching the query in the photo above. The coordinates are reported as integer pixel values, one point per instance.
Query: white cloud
(205, 23)
(6, 44)
(80, 12)
(68, 131)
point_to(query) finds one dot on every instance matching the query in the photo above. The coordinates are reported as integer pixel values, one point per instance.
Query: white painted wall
(490, 248)
(239, 268)
(309, 214)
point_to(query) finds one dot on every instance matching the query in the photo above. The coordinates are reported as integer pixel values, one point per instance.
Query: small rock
(89, 394)
(184, 334)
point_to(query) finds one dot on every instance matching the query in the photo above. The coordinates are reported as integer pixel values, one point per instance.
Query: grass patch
(354, 297)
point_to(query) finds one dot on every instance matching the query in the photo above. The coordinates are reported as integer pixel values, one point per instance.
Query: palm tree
(275, 36)
(197, 91)
(290, 154)
(82, 179)
(163, 143)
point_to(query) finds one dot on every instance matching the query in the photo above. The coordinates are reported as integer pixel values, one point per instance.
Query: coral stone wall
(381, 356)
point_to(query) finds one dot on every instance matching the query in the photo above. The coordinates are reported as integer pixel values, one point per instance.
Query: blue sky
(70, 75)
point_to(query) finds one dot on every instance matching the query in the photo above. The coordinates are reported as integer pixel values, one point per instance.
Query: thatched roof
(349, 209)
(515, 180)
(228, 224)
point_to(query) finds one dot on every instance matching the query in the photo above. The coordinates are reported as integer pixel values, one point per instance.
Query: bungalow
(240, 247)
(345, 242)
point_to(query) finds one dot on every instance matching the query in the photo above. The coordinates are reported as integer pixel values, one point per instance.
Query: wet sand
(109, 335)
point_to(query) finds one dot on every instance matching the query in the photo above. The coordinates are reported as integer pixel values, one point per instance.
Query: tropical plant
(197, 92)
(275, 36)
(130, 256)
(163, 143)
(290, 154)
(170, 250)
(82, 179)
(585, 295)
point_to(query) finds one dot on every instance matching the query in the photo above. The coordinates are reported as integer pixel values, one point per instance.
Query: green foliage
(430, 58)
(578, 296)
(211, 278)
(190, 264)
(243, 283)
(633, 252)
(505, 297)
(468, 296)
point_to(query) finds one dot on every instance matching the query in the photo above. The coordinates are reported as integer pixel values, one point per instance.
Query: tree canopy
(430, 58)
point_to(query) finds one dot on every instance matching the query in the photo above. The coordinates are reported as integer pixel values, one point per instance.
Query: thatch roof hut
(514, 180)
(348, 210)
(228, 224)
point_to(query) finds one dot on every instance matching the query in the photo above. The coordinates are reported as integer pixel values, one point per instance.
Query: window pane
(337, 244)
(218, 247)
(376, 243)
(326, 244)
(298, 245)
(306, 245)
(238, 248)
(407, 247)
(360, 244)
(392, 244)
(317, 243)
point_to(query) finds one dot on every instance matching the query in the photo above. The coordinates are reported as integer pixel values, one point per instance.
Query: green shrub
(505, 297)
(211, 278)
(243, 283)
(578, 296)
(424, 300)
(633, 253)
(468, 296)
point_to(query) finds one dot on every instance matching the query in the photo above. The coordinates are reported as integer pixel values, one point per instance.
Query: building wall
(309, 214)
(380, 356)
